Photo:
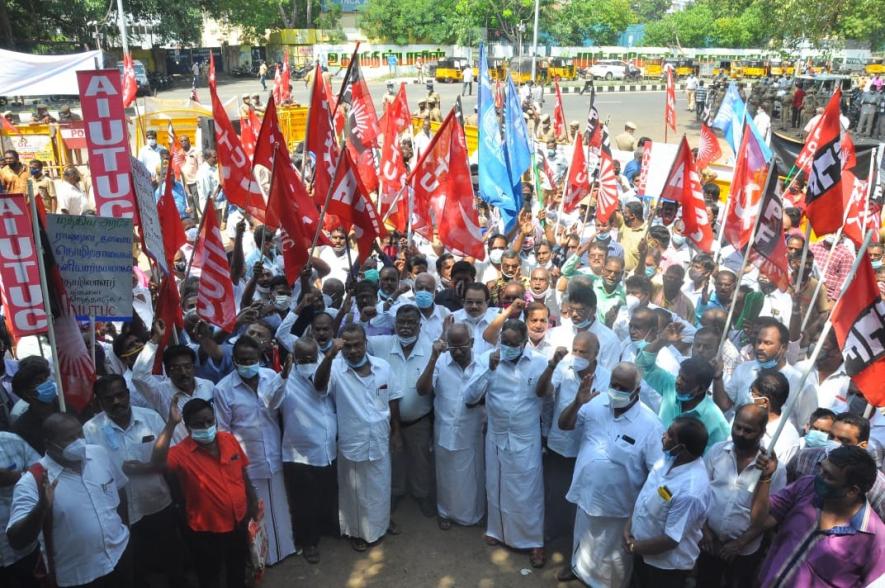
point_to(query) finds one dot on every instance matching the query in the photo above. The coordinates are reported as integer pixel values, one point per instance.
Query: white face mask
(579, 364)
(306, 370)
(495, 256)
(75, 450)
(632, 302)
(619, 398)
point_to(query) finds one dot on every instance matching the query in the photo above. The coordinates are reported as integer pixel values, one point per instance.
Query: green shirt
(604, 300)
(665, 384)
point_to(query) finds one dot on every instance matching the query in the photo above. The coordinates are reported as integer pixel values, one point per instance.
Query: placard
(19, 273)
(151, 232)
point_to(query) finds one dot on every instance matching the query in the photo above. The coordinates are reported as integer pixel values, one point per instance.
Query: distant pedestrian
(467, 78)
(392, 62)
(196, 71)
(262, 74)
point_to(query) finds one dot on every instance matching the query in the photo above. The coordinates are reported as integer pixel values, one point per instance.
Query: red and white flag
(859, 320)
(320, 142)
(607, 182)
(285, 78)
(709, 149)
(269, 136)
(683, 185)
(670, 109)
(361, 130)
(249, 128)
(170, 221)
(215, 291)
(351, 203)
(747, 184)
(857, 196)
(393, 169)
(558, 113)
(237, 181)
(577, 184)
(130, 83)
(768, 251)
(277, 90)
(169, 310)
(441, 183)
(823, 194)
(643, 168)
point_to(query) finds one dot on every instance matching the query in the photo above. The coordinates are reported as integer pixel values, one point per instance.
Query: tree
(578, 20)
(687, 28)
(409, 21)
(649, 11)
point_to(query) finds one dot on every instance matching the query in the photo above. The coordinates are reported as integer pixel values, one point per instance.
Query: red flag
(239, 186)
(577, 184)
(643, 167)
(747, 182)
(441, 182)
(593, 132)
(362, 127)
(332, 99)
(670, 109)
(285, 205)
(857, 196)
(769, 249)
(249, 128)
(859, 321)
(558, 113)
(269, 137)
(8, 126)
(170, 221)
(277, 92)
(130, 84)
(708, 147)
(350, 202)
(684, 186)
(194, 96)
(393, 170)
(823, 195)
(215, 292)
(285, 78)
(169, 310)
(178, 156)
(607, 182)
(319, 141)
(803, 160)
(400, 108)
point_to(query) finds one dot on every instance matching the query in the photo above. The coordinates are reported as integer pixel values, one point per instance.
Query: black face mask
(743, 443)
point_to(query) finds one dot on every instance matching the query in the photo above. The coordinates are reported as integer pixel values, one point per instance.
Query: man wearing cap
(256, 103)
(431, 95)
(389, 97)
(574, 127)
(544, 132)
(65, 114)
(626, 141)
(433, 109)
(42, 115)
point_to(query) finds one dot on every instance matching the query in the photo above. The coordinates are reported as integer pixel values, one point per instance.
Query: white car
(610, 69)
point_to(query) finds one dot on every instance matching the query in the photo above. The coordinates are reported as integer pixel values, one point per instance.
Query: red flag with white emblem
(558, 113)
(215, 291)
(130, 83)
(361, 130)
(607, 182)
(170, 221)
(249, 128)
(350, 202)
(319, 140)
(670, 109)
(285, 78)
(683, 185)
(769, 249)
(277, 90)
(859, 321)
(709, 149)
(577, 184)
(393, 169)
(823, 194)
(441, 183)
(239, 186)
(747, 182)
(857, 196)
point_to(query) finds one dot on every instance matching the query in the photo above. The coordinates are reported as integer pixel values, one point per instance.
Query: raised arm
(321, 377)
(490, 335)
(569, 417)
(424, 384)
(544, 386)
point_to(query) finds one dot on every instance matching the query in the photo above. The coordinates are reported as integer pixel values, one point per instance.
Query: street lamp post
(520, 29)
(123, 36)
(535, 39)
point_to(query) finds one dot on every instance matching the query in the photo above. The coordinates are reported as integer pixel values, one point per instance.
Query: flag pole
(317, 74)
(823, 273)
(353, 58)
(47, 306)
(744, 261)
(793, 399)
(866, 204)
(565, 189)
(804, 258)
(207, 209)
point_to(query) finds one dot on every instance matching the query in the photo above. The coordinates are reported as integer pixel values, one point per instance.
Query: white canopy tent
(23, 74)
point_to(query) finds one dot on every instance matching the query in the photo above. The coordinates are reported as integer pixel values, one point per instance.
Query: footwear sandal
(538, 558)
(358, 544)
(444, 524)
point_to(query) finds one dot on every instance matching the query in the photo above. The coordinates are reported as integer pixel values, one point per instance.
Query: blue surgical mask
(406, 341)
(583, 324)
(424, 299)
(579, 364)
(47, 392)
(35, 173)
(358, 364)
(684, 397)
(815, 438)
(204, 436)
(767, 364)
(75, 450)
(509, 353)
(671, 454)
(372, 275)
(876, 263)
(678, 240)
(248, 371)
(326, 346)
(650, 272)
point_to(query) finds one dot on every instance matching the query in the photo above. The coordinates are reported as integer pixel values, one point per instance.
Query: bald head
(305, 347)
(457, 334)
(540, 273)
(425, 281)
(753, 413)
(586, 345)
(714, 318)
(625, 376)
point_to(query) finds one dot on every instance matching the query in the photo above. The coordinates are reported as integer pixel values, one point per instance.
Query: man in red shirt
(798, 100)
(219, 497)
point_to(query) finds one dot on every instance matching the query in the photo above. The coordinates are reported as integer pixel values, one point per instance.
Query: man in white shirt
(477, 315)
(367, 403)
(422, 138)
(620, 442)
(71, 198)
(457, 445)
(151, 153)
(668, 518)
(432, 315)
(763, 123)
(129, 433)
(771, 389)
(208, 182)
(507, 377)
(776, 304)
(190, 167)
(15, 564)
(247, 404)
(80, 491)
(467, 78)
(179, 383)
(730, 548)
(335, 255)
(408, 352)
(828, 375)
(308, 449)
(559, 384)
(582, 304)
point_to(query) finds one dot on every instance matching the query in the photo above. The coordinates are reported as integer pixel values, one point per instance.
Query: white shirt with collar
(15, 456)
(70, 198)
(146, 494)
(478, 327)
(252, 418)
(681, 518)
(565, 382)
(512, 406)
(787, 444)
(732, 493)
(832, 393)
(609, 345)
(309, 423)
(338, 265)
(363, 409)
(778, 305)
(431, 326)
(455, 426)
(738, 389)
(158, 390)
(88, 535)
(621, 325)
(616, 454)
(405, 371)
(543, 347)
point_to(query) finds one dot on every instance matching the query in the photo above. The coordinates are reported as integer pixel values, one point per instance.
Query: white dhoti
(364, 497)
(515, 491)
(599, 558)
(277, 519)
(460, 484)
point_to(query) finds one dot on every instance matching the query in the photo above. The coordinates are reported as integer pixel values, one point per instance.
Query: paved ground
(645, 109)
(422, 556)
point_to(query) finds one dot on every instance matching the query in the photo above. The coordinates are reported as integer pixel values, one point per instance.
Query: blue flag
(730, 119)
(516, 138)
(495, 186)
